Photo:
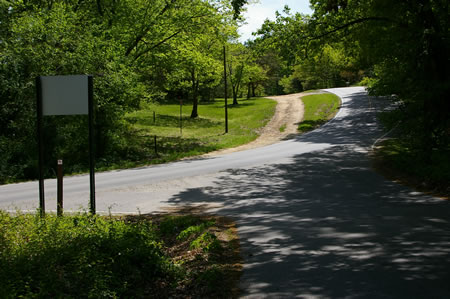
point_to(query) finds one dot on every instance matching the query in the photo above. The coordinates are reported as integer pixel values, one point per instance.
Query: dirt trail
(288, 114)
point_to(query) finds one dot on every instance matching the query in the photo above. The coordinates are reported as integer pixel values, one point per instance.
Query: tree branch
(157, 44)
(354, 22)
(147, 29)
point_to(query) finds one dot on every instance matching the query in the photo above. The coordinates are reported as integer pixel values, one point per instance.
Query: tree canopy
(401, 50)
(157, 51)
(138, 51)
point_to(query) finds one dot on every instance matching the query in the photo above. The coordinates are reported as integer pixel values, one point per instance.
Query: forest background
(143, 53)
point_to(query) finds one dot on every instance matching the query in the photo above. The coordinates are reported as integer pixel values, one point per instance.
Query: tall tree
(408, 43)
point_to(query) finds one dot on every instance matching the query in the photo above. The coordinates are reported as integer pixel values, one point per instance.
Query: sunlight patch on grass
(318, 109)
(196, 136)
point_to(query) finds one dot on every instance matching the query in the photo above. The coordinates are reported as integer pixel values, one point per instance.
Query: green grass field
(199, 135)
(319, 108)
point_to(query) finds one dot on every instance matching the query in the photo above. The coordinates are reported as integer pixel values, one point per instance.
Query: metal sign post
(91, 144)
(225, 78)
(65, 95)
(40, 147)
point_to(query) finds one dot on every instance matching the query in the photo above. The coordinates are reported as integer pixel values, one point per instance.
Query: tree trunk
(194, 112)
(235, 92)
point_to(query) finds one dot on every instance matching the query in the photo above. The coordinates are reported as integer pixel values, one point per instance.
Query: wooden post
(59, 202)
(181, 117)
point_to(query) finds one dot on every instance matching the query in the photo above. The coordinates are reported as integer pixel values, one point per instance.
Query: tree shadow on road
(323, 224)
(327, 227)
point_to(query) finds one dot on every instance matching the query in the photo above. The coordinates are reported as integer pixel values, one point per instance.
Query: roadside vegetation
(156, 52)
(318, 109)
(85, 256)
(196, 136)
(402, 158)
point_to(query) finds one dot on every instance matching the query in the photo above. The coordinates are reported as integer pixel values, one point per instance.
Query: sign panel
(65, 95)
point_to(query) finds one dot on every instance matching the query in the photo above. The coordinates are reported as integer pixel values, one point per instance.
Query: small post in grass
(181, 117)
(59, 202)
(156, 149)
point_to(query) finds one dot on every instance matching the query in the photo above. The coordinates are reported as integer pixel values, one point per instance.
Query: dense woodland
(159, 51)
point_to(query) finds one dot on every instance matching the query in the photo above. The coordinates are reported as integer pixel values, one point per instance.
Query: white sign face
(65, 95)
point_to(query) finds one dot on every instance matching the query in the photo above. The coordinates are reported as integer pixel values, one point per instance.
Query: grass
(82, 256)
(401, 157)
(199, 135)
(318, 109)
(398, 160)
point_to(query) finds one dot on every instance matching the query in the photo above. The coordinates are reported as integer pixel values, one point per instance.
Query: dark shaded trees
(407, 43)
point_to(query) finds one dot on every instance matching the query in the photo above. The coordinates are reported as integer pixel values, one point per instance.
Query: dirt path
(288, 114)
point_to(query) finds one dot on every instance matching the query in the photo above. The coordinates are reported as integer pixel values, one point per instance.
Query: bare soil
(283, 125)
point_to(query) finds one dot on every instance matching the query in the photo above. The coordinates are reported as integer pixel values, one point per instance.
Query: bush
(80, 256)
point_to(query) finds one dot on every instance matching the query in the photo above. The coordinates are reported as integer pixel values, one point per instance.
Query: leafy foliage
(401, 48)
(80, 255)
(407, 45)
(138, 51)
(90, 256)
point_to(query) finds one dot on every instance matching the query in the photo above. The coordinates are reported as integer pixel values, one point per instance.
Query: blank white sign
(65, 95)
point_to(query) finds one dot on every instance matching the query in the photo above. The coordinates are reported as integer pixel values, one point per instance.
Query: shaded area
(323, 224)
(431, 172)
(173, 121)
(167, 149)
(308, 125)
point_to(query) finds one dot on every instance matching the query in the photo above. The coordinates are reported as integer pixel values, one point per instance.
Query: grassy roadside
(397, 160)
(83, 256)
(198, 136)
(318, 109)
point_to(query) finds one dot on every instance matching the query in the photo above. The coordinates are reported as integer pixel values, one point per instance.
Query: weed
(206, 241)
(194, 230)
(176, 224)
(91, 256)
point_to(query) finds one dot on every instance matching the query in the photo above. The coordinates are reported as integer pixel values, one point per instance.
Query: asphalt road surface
(314, 220)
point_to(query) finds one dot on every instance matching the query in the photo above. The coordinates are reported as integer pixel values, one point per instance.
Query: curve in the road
(317, 222)
(314, 220)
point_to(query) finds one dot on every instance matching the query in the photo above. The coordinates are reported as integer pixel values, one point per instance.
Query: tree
(256, 75)
(191, 61)
(201, 68)
(408, 45)
(58, 40)
(124, 44)
(237, 64)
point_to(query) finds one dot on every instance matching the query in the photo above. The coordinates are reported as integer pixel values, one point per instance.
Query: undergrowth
(398, 159)
(85, 256)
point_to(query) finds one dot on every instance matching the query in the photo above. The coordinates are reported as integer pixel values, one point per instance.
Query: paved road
(314, 220)
(322, 224)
